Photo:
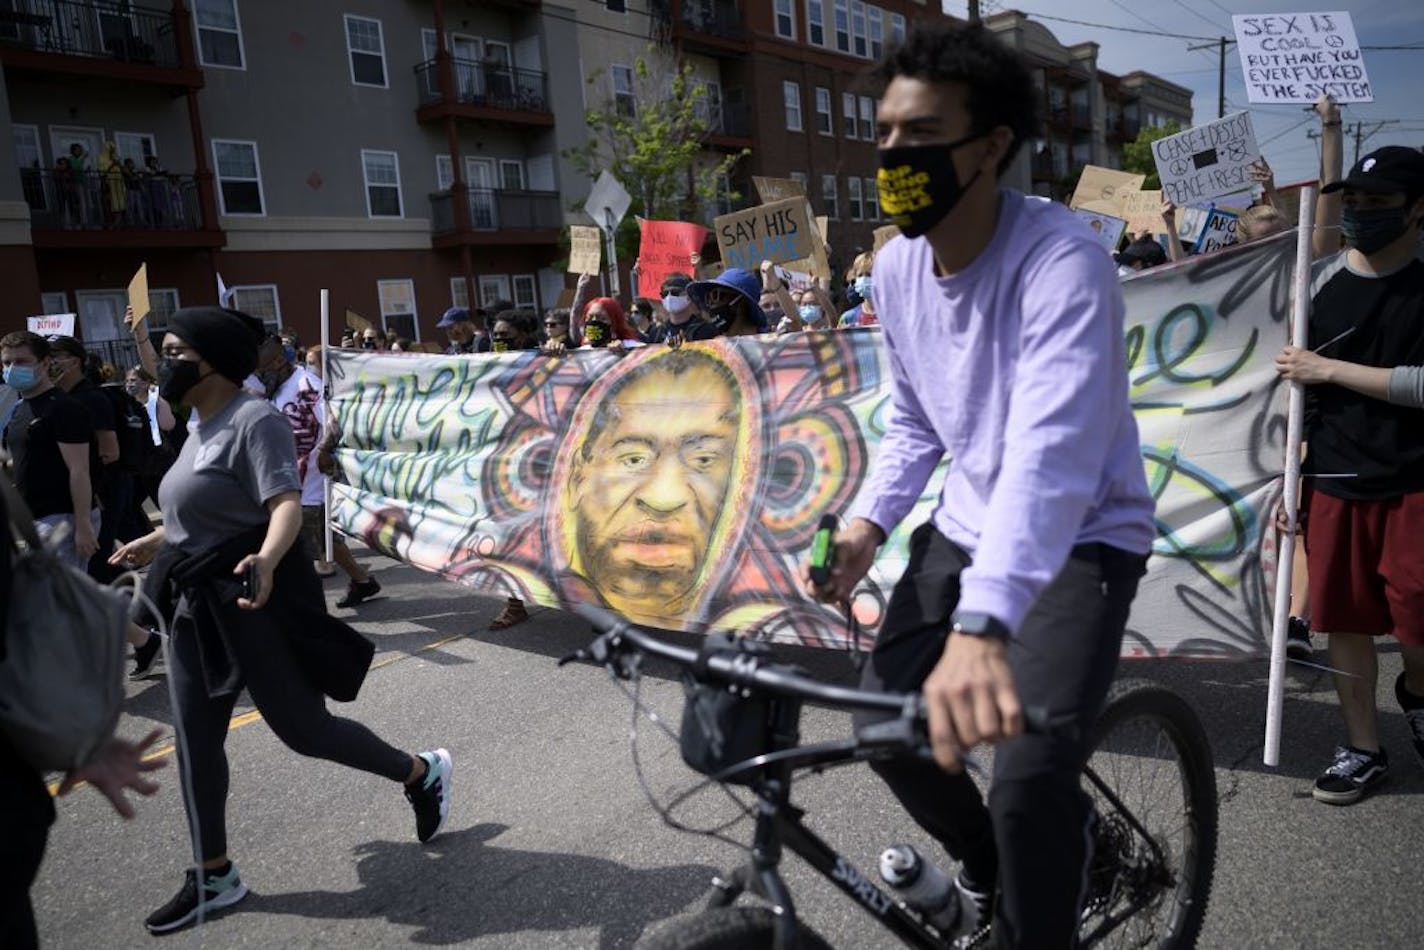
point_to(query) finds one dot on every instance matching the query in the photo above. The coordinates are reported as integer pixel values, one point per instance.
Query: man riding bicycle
(1003, 321)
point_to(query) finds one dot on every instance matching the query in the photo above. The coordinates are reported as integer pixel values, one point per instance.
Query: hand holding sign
(138, 296)
(585, 250)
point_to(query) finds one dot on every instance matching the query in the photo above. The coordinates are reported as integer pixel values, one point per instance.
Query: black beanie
(227, 339)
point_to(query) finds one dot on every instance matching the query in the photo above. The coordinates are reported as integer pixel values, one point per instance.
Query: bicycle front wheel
(1153, 786)
(727, 928)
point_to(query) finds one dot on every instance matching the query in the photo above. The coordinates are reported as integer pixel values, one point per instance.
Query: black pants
(1033, 834)
(293, 708)
(26, 812)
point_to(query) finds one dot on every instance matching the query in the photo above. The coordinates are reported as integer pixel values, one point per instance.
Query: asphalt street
(551, 842)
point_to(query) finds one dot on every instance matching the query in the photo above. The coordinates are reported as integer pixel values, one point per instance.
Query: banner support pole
(1290, 494)
(326, 414)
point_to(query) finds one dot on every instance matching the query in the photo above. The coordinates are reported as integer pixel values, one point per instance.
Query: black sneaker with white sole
(218, 891)
(1298, 646)
(357, 593)
(1413, 707)
(430, 796)
(1353, 772)
(144, 656)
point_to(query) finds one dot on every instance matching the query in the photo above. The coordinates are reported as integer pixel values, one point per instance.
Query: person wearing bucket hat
(683, 321)
(1365, 531)
(731, 302)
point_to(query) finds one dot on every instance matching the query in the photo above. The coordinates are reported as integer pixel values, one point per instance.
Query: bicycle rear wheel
(1155, 839)
(727, 928)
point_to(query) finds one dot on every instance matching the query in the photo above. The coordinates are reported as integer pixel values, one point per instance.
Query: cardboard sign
(608, 202)
(1106, 228)
(1207, 161)
(51, 324)
(779, 232)
(1190, 223)
(1103, 189)
(1298, 57)
(666, 247)
(138, 295)
(357, 322)
(585, 250)
(777, 189)
(1143, 211)
(1220, 231)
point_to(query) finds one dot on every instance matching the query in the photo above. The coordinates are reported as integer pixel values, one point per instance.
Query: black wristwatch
(979, 625)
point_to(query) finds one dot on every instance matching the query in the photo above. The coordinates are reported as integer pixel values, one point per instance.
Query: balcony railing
(496, 210)
(710, 16)
(93, 201)
(116, 31)
(486, 84)
(729, 120)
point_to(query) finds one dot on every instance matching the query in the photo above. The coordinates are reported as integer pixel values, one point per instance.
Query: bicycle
(1147, 885)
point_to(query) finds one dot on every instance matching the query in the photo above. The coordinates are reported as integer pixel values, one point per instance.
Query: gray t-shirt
(231, 465)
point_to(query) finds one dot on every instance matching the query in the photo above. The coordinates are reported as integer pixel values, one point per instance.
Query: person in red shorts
(1364, 515)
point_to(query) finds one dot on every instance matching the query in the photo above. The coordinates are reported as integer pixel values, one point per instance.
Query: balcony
(495, 216)
(713, 27)
(483, 91)
(83, 209)
(728, 126)
(1082, 116)
(109, 40)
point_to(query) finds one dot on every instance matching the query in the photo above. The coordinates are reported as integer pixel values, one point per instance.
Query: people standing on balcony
(80, 199)
(155, 183)
(115, 192)
(138, 211)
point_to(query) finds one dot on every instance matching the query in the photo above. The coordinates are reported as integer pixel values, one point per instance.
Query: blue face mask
(864, 286)
(21, 378)
(810, 313)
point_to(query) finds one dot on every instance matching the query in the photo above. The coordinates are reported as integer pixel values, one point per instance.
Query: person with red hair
(605, 314)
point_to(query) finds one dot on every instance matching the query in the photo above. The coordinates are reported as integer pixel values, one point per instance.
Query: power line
(1120, 29)
(1200, 16)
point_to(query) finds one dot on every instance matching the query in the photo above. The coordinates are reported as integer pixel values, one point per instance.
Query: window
(708, 105)
(383, 194)
(897, 28)
(791, 94)
(260, 301)
(853, 197)
(867, 118)
(785, 20)
(623, 99)
(842, 14)
(459, 293)
(511, 175)
(135, 145)
(219, 33)
(877, 31)
(526, 295)
(239, 177)
(816, 22)
(398, 307)
(872, 201)
(823, 111)
(444, 173)
(162, 303)
(829, 199)
(848, 114)
(367, 49)
(857, 27)
(494, 288)
(800, 178)
(30, 161)
(56, 301)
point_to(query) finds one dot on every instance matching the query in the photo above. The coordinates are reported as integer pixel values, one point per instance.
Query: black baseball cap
(1385, 170)
(69, 346)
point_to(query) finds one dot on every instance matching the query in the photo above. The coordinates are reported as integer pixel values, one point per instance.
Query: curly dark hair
(1000, 88)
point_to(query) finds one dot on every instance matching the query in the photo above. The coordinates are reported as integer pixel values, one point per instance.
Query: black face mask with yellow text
(918, 184)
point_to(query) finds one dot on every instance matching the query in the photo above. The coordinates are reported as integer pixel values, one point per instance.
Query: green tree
(655, 144)
(1137, 154)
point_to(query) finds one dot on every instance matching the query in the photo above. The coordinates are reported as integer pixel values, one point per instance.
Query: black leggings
(1033, 835)
(294, 709)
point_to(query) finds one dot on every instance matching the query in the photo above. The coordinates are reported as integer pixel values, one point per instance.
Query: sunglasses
(553, 323)
(672, 292)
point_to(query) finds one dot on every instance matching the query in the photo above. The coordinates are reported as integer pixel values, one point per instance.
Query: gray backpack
(61, 679)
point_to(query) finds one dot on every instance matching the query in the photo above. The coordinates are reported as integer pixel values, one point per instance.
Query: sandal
(513, 613)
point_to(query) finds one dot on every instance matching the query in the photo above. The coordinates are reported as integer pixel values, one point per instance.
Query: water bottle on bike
(927, 889)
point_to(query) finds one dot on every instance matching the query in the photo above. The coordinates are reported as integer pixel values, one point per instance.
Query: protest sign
(51, 324)
(585, 250)
(1143, 211)
(138, 295)
(488, 490)
(779, 232)
(1191, 222)
(1106, 228)
(607, 202)
(1103, 189)
(666, 247)
(777, 189)
(357, 322)
(1208, 160)
(883, 236)
(1298, 57)
(1219, 231)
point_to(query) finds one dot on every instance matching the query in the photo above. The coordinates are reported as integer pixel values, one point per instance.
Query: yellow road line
(251, 716)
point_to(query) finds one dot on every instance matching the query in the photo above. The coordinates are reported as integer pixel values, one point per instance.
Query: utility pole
(1220, 45)
(1361, 136)
(973, 11)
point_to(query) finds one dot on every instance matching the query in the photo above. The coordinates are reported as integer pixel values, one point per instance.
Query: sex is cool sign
(1298, 57)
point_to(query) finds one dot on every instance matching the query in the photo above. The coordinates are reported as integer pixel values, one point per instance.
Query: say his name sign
(1298, 57)
(778, 232)
(1208, 160)
(666, 247)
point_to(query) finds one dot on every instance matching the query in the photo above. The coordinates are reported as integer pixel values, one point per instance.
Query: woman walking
(249, 608)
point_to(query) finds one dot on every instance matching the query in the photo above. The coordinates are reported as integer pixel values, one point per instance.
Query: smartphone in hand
(251, 581)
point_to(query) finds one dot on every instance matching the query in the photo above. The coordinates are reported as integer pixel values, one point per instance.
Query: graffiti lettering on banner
(585, 249)
(1298, 57)
(779, 232)
(1106, 228)
(1207, 161)
(1220, 231)
(666, 247)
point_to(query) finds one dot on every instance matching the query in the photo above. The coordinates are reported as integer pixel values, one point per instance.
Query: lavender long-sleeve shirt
(1017, 367)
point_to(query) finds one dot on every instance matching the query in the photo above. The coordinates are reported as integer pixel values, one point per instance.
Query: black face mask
(177, 377)
(722, 317)
(368, 344)
(596, 334)
(1373, 230)
(918, 184)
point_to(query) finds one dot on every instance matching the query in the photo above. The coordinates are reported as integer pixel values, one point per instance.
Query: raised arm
(582, 295)
(771, 282)
(1175, 251)
(1328, 208)
(147, 355)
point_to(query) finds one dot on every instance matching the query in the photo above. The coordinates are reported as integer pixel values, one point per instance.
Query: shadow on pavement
(459, 887)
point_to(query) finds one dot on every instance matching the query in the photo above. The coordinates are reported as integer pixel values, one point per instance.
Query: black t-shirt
(694, 329)
(134, 435)
(101, 419)
(33, 436)
(1379, 444)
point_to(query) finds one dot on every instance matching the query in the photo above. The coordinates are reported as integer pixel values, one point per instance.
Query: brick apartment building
(409, 154)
